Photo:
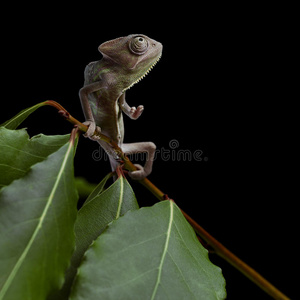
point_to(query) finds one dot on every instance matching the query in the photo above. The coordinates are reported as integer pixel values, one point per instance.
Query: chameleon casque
(126, 60)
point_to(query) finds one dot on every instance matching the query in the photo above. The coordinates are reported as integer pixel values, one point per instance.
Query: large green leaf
(37, 216)
(101, 208)
(18, 153)
(151, 253)
(15, 121)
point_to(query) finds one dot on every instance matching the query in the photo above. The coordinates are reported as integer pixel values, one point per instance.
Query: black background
(220, 87)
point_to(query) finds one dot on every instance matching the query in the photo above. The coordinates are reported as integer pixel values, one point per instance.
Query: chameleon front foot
(136, 112)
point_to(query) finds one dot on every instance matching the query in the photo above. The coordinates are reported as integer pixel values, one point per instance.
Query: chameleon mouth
(140, 78)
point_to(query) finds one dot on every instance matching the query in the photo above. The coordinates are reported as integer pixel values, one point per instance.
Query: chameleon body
(126, 60)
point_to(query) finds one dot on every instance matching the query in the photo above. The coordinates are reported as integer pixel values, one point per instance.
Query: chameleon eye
(138, 45)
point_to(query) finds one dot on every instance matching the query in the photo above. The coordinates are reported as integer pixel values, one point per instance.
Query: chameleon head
(136, 54)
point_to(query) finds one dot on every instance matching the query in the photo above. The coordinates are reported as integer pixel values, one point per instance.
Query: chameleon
(125, 61)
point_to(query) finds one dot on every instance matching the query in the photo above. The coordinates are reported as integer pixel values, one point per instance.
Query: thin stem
(218, 248)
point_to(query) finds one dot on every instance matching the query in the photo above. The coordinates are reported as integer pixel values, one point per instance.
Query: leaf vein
(193, 256)
(120, 197)
(12, 167)
(22, 151)
(180, 272)
(164, 251)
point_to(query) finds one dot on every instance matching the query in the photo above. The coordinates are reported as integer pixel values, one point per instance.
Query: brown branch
(217, 247)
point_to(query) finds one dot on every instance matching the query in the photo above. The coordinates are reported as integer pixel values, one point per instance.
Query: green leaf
(103, 207)
(14, 122)
(151, 253)
(37, 216)
(18, 153)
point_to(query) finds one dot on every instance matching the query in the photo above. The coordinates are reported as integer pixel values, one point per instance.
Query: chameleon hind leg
(143, 147)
